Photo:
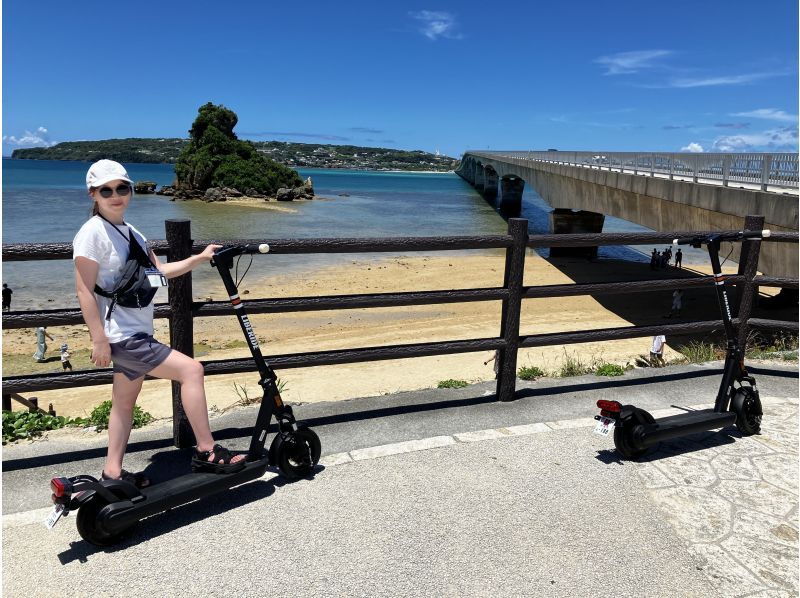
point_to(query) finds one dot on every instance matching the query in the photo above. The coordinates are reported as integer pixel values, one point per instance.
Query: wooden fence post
(509, 323)
(181, 328)
(6, 402)
(748, 266)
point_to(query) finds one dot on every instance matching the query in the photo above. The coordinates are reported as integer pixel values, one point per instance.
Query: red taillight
(60, 487)
(612, 406)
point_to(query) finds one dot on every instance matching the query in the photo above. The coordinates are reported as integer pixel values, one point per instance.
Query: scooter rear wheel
(297, 453)
(88, 527)
(744, 403)
(623, 441)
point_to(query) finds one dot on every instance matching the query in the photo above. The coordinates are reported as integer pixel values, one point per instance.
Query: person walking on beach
(496, 359)
(678, 258)
(677, 303)
(65, 364)
(6, 297)
(124, 335)
(653, 259)
(657, 351)
(41, 343)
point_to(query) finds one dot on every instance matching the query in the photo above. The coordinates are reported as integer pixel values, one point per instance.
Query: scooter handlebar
(737, 236)
(227, 253)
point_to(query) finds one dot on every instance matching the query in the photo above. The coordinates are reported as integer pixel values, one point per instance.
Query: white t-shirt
(658, 343)
(98, 241)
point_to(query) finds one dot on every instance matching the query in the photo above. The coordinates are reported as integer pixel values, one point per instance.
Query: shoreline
(300, 332)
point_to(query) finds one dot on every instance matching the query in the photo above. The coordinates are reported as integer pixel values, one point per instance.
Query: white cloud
(715, 81)
(769, 114)
(38, 138)
(436, 24)
(694, 148)
(626, 63)
(773, 139)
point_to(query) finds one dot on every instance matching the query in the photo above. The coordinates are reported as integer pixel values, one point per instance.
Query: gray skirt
(137, 355)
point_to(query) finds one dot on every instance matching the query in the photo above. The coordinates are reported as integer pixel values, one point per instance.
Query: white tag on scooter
(156, 278)
(54, 516)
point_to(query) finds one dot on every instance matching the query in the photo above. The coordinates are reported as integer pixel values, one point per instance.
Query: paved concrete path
(469, 498)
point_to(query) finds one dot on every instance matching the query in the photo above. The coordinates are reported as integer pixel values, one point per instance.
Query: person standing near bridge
(678, 258)
(102, 250)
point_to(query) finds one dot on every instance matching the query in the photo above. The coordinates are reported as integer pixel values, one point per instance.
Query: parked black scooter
(108, 508)
(635, 430)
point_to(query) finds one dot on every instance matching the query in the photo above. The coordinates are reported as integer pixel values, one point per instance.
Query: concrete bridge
(657, 190)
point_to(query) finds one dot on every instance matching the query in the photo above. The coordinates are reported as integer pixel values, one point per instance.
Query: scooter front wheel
(746, 405)
(296, 453)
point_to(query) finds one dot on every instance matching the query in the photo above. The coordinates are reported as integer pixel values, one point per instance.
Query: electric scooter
(108, 508)
(737, 402)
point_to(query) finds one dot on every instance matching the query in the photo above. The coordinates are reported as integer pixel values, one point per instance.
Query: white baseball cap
(104, 171)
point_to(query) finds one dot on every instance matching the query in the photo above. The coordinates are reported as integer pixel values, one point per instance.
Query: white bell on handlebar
(263, 248)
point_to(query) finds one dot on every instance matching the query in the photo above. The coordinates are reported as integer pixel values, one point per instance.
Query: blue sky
(623, 76)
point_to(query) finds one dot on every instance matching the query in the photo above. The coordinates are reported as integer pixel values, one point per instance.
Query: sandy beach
(327, 330)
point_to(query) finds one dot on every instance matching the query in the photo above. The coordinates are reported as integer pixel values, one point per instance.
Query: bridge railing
(761, 169)
(181, 309)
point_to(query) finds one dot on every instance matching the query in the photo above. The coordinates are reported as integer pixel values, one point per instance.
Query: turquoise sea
(46, 201)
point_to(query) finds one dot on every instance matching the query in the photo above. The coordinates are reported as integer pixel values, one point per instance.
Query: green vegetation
(100, 414)
(215, 157)
(450, 383)
(244, 395)
(760, 345)
(530, 372)
(132, 149)
(573, 366)
(609, 369)
(296, 155)
(700, 352)
(18, 425)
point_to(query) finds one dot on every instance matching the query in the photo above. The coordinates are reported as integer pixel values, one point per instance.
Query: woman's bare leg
(124, 393)
(189, 373)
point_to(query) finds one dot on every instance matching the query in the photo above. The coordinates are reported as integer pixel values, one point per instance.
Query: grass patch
(573, 366)
(609, 369)
(778, 346)
(700, 352)
(101, 413)
(530, 372)
(18, 425)
(17, 364)
(234, 344)
(201, 349)
(245, 399)
(450, 383)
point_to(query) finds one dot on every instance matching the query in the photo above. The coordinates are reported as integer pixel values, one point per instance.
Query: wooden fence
(181, 309)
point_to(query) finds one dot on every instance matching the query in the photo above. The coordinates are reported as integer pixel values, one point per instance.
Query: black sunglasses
(121, 190)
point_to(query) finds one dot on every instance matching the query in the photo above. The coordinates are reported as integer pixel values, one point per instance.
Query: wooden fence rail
(181, 310)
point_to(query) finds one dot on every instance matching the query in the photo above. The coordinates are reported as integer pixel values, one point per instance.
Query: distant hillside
(308, 155)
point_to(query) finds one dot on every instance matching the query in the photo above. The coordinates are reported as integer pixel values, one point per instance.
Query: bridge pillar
(566, 221)
(468, 172)
(479, 177)
(511, 189)
(490, 185)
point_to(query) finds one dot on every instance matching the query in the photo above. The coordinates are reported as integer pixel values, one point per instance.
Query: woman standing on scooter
(123, 335)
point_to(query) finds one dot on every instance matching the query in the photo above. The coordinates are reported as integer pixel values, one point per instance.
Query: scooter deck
(682, 424)
(159, 497)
